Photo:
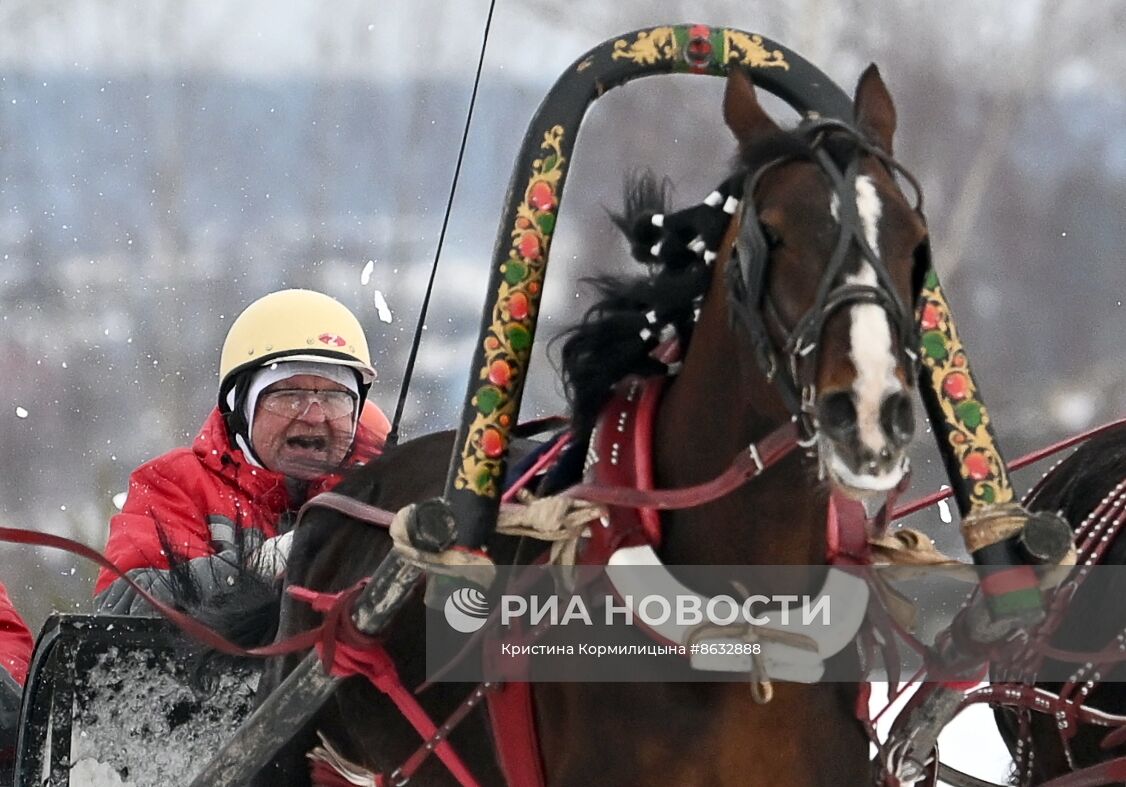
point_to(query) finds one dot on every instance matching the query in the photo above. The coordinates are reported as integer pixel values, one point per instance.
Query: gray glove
(270, 559)
(10, 694)
(207, 577)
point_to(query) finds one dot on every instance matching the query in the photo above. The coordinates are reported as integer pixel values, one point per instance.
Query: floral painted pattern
(970, 435)
(508, 341)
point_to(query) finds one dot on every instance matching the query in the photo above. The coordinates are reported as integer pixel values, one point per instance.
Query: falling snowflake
(382, 307)
(944, 509)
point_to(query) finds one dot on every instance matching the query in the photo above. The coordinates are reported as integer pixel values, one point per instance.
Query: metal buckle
(808, 399)
(810, 441)
(771, 368)
(752, 449)
(807, 421)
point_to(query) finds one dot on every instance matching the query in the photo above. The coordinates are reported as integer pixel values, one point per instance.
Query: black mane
(607, 345)
(1080, 482)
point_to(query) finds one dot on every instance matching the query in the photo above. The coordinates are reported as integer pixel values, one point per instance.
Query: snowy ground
(91, 773)
(139, 722)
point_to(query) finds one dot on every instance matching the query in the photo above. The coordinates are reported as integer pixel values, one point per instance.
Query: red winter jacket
(198, 495)
(15, 639)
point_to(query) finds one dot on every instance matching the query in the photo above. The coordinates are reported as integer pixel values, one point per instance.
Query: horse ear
(741, 109)
(875, 111)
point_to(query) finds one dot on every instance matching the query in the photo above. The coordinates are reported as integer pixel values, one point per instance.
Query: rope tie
(908, 547)
(332, 769)
(996, 523)
(907, 553)
(449, 562)
(992, 525)
(557, 519)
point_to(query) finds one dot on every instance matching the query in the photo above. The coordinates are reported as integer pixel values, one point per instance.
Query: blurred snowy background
(163, 163)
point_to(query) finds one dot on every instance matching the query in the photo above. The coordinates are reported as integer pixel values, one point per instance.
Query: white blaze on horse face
(870, 335)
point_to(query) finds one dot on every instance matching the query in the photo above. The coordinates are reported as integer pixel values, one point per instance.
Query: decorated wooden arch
(497, 373)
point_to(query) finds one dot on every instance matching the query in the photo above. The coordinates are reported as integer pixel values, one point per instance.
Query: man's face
(303, 426)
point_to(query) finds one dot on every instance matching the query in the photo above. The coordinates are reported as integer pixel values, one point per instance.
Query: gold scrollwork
(650, 47)
(748, 50)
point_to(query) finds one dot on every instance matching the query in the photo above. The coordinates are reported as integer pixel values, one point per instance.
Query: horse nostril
(836, 414)
(897, 418)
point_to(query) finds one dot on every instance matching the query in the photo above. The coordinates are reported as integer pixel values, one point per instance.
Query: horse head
(828, 256)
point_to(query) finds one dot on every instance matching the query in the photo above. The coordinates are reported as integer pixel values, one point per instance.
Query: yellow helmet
(295, 325)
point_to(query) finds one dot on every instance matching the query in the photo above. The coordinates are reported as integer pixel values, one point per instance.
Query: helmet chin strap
(248, 451)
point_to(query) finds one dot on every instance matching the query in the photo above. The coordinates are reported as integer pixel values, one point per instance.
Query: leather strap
(748, 464)
(349, 506)
(513, 718)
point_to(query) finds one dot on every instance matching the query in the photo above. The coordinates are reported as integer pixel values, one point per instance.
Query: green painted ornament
(488, 399)
(515, 271)
(969, 413)
(482, 479)
(934, 345)
(518, 337)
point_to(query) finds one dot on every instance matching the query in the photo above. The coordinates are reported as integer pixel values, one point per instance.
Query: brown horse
(805, 315)
(1089, 490)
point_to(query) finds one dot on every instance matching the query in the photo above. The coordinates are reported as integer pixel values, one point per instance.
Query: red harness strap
(622, 444)
(846, 533)
(513, 718)
(324, 775)
(1093, 538)
(347, 651)
(621, 460)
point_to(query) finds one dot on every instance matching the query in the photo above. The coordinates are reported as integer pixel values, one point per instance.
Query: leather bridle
(790, 363)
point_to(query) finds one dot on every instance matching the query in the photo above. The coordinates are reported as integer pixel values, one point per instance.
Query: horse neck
(719, 404)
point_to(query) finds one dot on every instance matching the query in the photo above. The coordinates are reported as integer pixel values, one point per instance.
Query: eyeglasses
(295, 402)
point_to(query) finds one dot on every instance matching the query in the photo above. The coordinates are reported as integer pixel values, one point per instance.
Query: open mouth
(307, 444)
(865, 484)
(306, 456)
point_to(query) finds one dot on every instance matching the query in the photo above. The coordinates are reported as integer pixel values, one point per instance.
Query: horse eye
(773, 237)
